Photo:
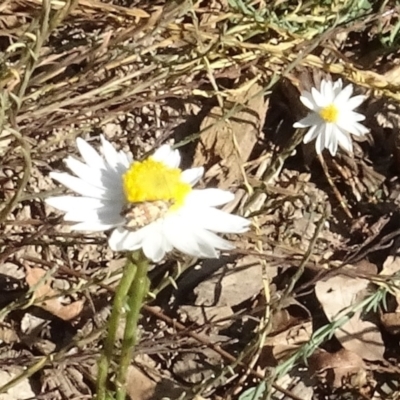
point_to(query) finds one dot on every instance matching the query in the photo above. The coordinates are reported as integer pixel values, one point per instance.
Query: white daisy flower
(332, 118)
(150, 205)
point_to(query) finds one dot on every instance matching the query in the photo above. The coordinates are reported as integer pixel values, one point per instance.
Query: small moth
(141, 214)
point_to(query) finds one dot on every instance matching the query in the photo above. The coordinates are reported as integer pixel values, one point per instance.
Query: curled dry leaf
(228, 143)
(298, 383)
(5, 140)
(21, 390)
(145, 382)
(391, 320)
(391, 267)
(232, 285)
(204, 315)
(197, 367)
(50, 299)
(393, 75)
(341, 368)
(286, 343)
(140, 386)
(337, 296)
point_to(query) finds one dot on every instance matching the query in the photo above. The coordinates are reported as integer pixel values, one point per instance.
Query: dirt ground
(308, 305)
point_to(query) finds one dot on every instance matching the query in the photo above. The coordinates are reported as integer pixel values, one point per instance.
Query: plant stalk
(136, 295)
(118, 306)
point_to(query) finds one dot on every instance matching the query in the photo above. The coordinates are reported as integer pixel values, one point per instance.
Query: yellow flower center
(329, 113)
(151, 180)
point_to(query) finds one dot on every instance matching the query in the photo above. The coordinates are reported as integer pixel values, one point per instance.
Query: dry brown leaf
(8, 335)
(297, 382)
(340, 368)
(391, 322)
(49, 298)
(288, 342)
(90, 5)
(229, 143)
(393, 75)
(337, 295)
(20, 391)
(204, 315)
(146, 382)
(67, 383)
(196, 367)
(232, 285)
(139, 386)
(391, 267)
(12, 270)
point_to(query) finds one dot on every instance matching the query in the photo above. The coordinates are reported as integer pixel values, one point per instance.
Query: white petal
(355, 101)
(332, 144)
(108, 179)
(221, 221)
(328, 134)
(357, 117)
(215, 241)
(184, 236)
(193, 175)
(183, 240)
(307, 99)
(309, 120)
(89, 154)
(350, 117)
(300, 124)
(319, 100)
(84, 172)
(319, 143)
(78, 185)
(110, 153)
(207, 246)
(343, 97)
(174, 159)
(162, 153)
(66, 203)
(125, 160)
(117, 239)
(326, 89)
(209, 197)
(92, 227)
(154, 245)
(337, 86)
(168, 156)
(357, 129)
(105, 215)
(312, 133)
(344, 140)
(121, 239)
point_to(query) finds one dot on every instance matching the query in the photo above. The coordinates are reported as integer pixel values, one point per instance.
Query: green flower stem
(136, 295)
(118, 306)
